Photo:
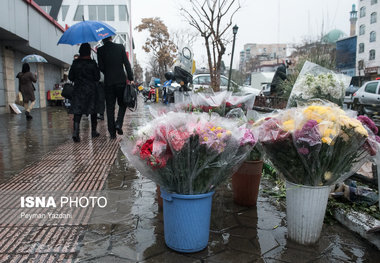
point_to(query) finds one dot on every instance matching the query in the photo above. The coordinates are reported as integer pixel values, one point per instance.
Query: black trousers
(115, 93)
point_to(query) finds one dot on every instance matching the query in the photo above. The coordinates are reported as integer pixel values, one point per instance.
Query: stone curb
(365, 225)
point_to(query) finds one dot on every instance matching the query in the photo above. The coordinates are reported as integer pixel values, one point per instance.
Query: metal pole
(232, 58)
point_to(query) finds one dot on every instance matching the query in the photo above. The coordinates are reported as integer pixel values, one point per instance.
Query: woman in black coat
(85, 74)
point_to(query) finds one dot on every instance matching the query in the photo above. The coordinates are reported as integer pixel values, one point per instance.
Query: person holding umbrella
(85, 74)
(26, 87)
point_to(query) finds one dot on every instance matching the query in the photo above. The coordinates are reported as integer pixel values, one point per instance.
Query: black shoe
(76, 137)
(28, 116)
(101, 117)
(95, 134)
(94, 124)
(113, 136)
(118, 129)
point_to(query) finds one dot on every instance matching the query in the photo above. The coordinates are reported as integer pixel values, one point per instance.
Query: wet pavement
(131, 230)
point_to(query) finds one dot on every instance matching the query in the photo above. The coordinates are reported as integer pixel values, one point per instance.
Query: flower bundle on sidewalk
(190, 153)
(316, 82)
(318, 144)
(220, 102)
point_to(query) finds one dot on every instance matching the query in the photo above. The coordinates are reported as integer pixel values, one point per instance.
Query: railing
(269, 103)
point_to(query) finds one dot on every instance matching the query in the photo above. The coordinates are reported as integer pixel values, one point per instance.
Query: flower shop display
(313, 147)
(316, 82)
(189, 155)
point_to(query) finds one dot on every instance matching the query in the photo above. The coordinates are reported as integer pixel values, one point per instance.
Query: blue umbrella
(86, 31)
(33, 58)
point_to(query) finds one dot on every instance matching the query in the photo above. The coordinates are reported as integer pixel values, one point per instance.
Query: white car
(204, 81)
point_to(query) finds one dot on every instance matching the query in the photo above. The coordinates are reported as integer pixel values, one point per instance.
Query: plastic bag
(19, 99)
(189, 153)
(315, 81)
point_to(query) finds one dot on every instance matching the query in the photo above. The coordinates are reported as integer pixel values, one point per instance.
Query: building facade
(254, 56)
(27, 29)
(116, 13)
(368, 41)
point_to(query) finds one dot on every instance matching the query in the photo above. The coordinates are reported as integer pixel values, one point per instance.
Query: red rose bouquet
(190, 153)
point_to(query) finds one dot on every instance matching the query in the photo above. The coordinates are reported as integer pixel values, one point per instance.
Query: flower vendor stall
(189, 155)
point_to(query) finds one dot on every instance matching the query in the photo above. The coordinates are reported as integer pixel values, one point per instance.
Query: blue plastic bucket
(187, 221)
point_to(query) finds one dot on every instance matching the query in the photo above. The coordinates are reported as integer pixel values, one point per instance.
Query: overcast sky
(259, 21)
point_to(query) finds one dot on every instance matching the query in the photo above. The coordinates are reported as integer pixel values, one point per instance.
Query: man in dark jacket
(112, 60)
(278, 78)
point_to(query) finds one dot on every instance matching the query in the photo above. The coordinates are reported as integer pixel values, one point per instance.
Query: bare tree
(184, 37)
(212, 19)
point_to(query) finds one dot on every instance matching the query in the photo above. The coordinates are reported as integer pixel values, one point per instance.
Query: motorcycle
(150, 94)
(176, 85)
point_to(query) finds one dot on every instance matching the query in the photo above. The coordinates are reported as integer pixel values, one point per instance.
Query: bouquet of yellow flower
(318, 144)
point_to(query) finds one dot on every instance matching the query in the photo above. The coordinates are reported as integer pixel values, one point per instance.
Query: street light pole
(234, 30)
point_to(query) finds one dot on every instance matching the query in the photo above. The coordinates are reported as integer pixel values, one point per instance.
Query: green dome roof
(333, 36)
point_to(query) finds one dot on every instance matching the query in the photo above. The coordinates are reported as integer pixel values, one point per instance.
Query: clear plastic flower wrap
(317, 144)
(189, 153)
(315, 81)
(218, 102)
(244, 102)
(207, 102)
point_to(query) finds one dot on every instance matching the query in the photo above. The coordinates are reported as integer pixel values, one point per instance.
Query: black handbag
(68, 90)
(130, 97)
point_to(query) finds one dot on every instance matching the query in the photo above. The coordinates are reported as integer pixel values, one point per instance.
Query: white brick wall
(366, 20)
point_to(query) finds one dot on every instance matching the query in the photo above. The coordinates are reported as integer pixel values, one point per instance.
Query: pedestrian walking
(112, 60)
(26, 87)
(85, 74)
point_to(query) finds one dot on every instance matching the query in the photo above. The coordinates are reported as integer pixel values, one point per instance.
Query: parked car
(204, 81)
(349, 95)
(367, 99)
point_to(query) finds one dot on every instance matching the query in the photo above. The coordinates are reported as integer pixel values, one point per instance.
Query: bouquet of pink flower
(190, 153)
(318, 144)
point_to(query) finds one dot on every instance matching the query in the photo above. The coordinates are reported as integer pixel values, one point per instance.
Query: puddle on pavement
(24, 142)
